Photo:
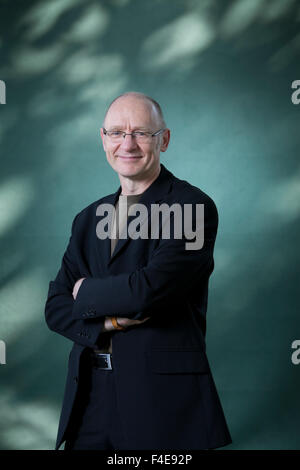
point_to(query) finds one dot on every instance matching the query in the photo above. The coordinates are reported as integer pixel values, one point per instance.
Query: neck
(135, 186)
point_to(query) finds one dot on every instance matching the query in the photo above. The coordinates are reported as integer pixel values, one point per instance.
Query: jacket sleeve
(170, 273)
(59, 304)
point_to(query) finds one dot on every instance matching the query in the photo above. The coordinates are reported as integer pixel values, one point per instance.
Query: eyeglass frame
(131, 133)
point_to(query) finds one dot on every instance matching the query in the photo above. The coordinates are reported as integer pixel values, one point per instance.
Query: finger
(124, 321)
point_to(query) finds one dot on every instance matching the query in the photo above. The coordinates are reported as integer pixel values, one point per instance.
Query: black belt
(101, 360)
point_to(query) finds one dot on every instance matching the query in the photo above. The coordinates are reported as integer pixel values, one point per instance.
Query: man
(135, 307)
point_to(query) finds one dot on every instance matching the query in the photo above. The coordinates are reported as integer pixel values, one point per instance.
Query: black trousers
(95, 421)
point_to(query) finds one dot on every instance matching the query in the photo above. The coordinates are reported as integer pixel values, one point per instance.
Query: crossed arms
(80, 309)
(108, 326)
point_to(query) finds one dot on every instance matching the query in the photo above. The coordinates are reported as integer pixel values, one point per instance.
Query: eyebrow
(141, 128)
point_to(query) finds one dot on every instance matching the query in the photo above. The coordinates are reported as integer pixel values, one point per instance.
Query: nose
(128, 142)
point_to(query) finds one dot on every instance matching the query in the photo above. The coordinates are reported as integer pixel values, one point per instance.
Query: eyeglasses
(139, 136)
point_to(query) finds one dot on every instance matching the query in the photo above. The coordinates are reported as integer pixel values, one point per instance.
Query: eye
(139, 133)
(115, 133)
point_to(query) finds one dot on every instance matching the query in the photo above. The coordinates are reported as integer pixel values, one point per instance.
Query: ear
(103, 139)
(165, 140)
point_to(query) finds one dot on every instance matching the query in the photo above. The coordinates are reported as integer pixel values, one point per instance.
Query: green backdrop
(222, 71)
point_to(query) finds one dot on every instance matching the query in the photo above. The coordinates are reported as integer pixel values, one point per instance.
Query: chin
(129, 169)
(129, 172)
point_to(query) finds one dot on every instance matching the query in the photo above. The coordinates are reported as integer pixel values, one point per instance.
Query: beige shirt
(120, 216)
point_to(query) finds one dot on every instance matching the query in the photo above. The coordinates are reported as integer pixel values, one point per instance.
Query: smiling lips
(134, 157)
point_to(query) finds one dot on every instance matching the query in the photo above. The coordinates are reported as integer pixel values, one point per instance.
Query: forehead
(132, 112)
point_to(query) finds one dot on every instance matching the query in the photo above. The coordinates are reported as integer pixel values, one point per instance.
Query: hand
(125, 322)
(77, 287)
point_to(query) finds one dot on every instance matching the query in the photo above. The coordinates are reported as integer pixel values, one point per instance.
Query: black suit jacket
(165, 389)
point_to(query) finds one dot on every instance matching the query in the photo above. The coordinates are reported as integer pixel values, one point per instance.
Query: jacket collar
(153, 194)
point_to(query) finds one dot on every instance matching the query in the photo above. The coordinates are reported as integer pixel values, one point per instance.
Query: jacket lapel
(153, 194)
(104, 246)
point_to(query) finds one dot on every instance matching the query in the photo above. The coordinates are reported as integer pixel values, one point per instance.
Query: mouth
(131, 157)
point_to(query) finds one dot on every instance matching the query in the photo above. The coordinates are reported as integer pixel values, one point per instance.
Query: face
(130, 158)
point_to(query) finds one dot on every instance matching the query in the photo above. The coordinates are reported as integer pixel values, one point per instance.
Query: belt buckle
(107, 359)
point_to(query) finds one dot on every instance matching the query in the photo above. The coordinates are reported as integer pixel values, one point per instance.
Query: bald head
(130, 98)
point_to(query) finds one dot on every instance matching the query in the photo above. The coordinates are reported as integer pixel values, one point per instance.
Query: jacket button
(75, 379)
